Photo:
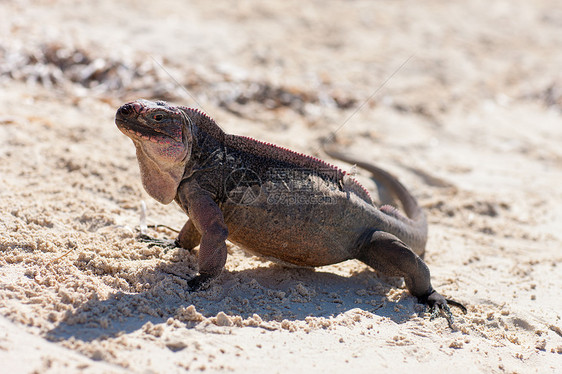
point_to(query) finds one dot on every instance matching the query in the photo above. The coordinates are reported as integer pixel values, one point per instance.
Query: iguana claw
(198, 282)
(195, 283)
(457, 304)
(439, 306)
(164, 243)
(441, 310)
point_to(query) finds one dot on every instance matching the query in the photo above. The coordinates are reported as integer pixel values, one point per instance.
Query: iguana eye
(158, 117)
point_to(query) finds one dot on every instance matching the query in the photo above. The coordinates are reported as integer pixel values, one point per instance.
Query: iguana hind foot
(387, 254)
(440, 306)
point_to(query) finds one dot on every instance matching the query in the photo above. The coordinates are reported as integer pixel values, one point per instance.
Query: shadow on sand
(273, 292)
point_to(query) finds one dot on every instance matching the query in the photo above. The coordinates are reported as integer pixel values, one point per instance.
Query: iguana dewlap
(270, 200)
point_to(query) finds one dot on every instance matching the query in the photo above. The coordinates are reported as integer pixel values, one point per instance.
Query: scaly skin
(272, 201)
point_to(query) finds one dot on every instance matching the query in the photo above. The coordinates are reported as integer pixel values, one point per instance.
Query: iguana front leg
(188, 237)
(207, 219)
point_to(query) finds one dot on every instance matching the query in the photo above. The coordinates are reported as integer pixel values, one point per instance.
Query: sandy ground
(463, 102)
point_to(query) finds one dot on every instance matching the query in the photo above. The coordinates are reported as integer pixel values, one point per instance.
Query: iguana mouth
(141, 131)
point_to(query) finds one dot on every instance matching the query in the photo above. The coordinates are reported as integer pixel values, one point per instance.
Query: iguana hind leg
(387, 254)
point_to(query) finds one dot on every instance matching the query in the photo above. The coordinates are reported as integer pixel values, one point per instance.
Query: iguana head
(162, 136)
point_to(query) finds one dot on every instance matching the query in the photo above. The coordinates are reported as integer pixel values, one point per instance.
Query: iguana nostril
(126, 109)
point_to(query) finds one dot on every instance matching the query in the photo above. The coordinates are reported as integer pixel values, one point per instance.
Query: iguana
(272, 201)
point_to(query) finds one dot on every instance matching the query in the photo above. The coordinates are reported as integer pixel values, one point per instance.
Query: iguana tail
(390, 183)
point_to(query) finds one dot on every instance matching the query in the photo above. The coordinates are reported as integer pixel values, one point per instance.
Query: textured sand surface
(462, 101)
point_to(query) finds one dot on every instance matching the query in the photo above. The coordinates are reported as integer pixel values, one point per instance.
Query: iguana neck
(208, 144)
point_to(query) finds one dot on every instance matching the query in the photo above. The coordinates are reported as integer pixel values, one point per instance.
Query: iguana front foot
(199, 282)
(195, 283)
(152, 242)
